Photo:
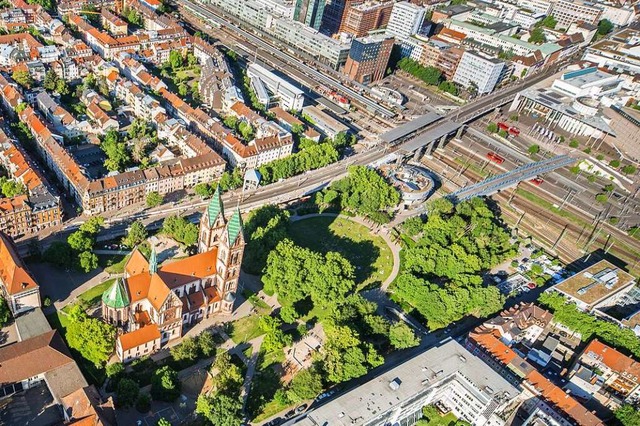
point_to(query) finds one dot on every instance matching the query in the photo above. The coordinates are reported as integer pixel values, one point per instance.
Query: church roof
(116, 295)
(215, 206)
(234, 227)
(137, 263)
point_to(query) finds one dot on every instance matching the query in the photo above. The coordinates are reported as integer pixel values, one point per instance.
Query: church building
(152, 303)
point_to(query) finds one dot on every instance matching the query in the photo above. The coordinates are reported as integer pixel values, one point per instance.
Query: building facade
(359, 19)
(309, 12)
(405, 20)
(368, 58)
(483, 71)
(567, 12)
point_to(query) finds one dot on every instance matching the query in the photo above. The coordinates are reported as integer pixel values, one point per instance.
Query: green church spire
(234, 227)
(116, 295)
(215, 206)
(153, 262)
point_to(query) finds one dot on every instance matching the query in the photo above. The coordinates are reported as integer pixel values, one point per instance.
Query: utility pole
(564, 230)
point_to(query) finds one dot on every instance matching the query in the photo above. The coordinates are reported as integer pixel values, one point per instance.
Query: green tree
(114, 370)
(143, 405)
(127, 392)
(275, 339)
(92, 226)
(448, 87)
(537, 36)
(165, 385)
(50, 80)
(627, 415)
(492, 128)
(175, 59)
(5, 312)
(62, 87)
(534, 149)
(183, 89)
(628, 169)
(91, 337)
(12, 188)
(154, 199)
(604, 27)
(548, 22)
(59, 253)
(187, 351)
(204, 190)
(206, 344)
(306, 384)
(80, 241)
(164, 422)
(220, 409)
(402, 336)
(23, 78)
(181, 230)
(365, 191)
(345, 357)
(264, 229)
(88, 261)
(430, 75)
(602, 198)
(614, 163)
(136, 234)
(226, 376)
(116, 151)
(246, 130)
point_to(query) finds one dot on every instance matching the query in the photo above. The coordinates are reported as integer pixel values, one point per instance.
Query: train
(512, 130)
(495, 157)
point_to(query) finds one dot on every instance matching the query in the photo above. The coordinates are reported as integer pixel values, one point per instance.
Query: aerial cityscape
(319, 212)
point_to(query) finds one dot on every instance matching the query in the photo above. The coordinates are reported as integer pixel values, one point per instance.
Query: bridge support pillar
(460, 132)
(418, 154)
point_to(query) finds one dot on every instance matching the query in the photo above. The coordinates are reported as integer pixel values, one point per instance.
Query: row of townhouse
(114, 192)
(39, 208)
(217, 87)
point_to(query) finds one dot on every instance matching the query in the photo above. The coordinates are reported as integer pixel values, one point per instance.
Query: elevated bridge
(505, 180)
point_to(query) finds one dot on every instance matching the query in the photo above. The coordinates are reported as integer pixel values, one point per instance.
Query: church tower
(212, 224)
(230, 251)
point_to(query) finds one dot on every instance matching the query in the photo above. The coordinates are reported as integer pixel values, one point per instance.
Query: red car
(495, 158)
(536, 181)
(503, 126)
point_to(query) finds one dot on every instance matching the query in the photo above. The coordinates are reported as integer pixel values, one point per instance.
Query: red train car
(495, 158)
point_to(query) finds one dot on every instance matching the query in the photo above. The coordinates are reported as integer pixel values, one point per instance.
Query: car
(274, 422)
(531, 285)
(289, 414)
(301, 408)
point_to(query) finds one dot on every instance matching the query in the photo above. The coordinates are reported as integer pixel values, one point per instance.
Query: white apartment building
(538, 6)
(284, 8)
(567, 12)
(290, 97)
(527, 19)
(405, 20)
(620, 16)
(447, 375)
(478, 69)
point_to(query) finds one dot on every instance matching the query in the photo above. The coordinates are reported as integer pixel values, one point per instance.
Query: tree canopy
(364, 191)
(165, 385)
(136, 234)
(430, 75)
(5, 312)
(312, 157)
(605, 27)
(441, 274)
(264, 229)
(94, 339)
(181, 230)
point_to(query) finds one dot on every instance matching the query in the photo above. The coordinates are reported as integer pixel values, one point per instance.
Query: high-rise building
(567, 12)
(333, 13)
(406, 20)
(359, 19)
(368, 58)
(476, 69)
(309, 12)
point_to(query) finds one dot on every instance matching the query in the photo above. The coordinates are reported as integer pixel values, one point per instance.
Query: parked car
(301, 408)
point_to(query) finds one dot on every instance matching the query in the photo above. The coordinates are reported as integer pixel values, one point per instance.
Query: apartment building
(447, 376)
(442, 55)
(112, 22)
(368, 58)
(477, 69)
(405, 20)
(567, 12)
(334, 11)
(618, 52)
(603, 373)
(361, 18)
(17, 286)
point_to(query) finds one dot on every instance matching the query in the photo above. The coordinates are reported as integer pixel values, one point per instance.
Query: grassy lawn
(261, 404)
(474, 168)
(549, 206)
(260, 305)
(245, 329)
(92, 296)
(113, 264)
(369, 254)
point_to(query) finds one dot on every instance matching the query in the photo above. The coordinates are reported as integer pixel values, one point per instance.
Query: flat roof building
(362, 18)
(597, 286)
(406, 20)
(368, 58)
(566, 12)
(483, 71)
(447, 375)
(324, 122)
(290, 97)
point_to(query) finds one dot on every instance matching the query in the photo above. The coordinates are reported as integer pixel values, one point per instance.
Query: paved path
(379, 230)
(251, 369)
(92, 282)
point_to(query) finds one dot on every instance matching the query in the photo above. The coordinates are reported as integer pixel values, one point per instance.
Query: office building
(324, 122)
(442, 55)
(476, 68)
(309, 12)
(406, 20)
(368, 58)
(567, 12)
(447, 376)
(617, 52)
(361, 18)
(290, 97)
(333, 13)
